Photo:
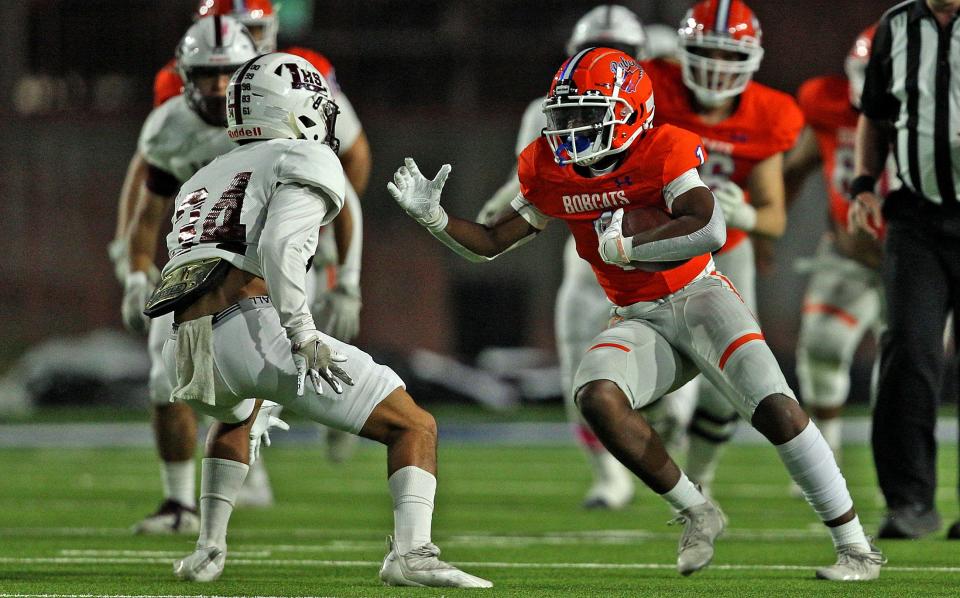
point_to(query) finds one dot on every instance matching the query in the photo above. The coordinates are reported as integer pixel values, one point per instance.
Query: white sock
(180, 482)
(413, 490)
(684, 495)
(832, 430)
(813, 467)
(850, 532)
(220, 480)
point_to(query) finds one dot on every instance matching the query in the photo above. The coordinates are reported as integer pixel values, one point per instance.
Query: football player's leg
(582, 310)
(175, 434)
(254, 359)
(715, 420)
(223, 471)
(841, 302)
(628, 366)
(726, 343)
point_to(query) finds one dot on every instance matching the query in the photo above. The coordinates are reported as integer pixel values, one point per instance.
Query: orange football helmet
(599, 102)
(720, 49)
(856, 63)
(257, 15)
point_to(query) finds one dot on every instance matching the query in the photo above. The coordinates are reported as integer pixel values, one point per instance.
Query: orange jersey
(825, 102)
(656, 158)
(168, 84)
(765, 123)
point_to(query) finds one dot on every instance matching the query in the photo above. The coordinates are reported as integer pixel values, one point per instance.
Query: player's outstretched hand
(337, 311)
(613, 246)
(316, 359)
(418, 195)
(268, 417)
(137, 288)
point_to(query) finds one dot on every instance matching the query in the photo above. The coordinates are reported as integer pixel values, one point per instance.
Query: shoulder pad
(313, 164)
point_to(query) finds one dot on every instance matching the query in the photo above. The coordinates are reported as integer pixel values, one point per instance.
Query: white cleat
(854, 564)
(256, 492)
(205, 564)
(171, 518)
(613, 486)
(703, 524)
(420, 567)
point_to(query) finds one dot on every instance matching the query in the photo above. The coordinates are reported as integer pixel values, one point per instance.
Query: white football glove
(337, 311)
(137, 288)
(614, 248)
(316, 359)
(736, 211)
(418, 195)
(268, 417)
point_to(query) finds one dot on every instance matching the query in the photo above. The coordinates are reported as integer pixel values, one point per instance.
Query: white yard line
(487, 564)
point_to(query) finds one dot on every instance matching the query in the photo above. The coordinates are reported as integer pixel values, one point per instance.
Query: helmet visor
(206, 91)
(580, 131)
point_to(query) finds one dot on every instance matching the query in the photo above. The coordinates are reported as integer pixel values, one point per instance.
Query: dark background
(441, 80)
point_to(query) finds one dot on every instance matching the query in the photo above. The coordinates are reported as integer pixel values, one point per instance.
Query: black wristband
(861, 184)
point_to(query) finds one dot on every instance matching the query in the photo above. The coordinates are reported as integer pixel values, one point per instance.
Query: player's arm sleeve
(287, 242)
(314, 165)
(705, 239)
(876, 101)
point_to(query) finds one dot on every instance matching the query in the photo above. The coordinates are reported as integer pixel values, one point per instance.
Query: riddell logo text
(585, 202)
(251, 132)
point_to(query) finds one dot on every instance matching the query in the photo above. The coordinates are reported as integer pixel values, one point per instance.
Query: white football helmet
(281, 96)
(609, 26)
(212, 47)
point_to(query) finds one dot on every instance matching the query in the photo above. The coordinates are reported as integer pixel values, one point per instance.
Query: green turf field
(508, 514)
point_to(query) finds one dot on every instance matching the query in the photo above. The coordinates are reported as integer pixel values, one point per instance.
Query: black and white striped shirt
(913, 83)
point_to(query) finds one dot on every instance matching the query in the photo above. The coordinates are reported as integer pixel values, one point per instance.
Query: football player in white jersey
(178, 137)
(245, 227)
(582, 309)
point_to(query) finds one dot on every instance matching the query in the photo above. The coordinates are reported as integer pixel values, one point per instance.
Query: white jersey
(177, 141)
(221, 209)
(289, 186)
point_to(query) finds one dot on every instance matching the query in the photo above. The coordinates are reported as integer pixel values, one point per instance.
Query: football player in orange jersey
(844, 297)
(746, 127)
(582, 308)
(599, 156)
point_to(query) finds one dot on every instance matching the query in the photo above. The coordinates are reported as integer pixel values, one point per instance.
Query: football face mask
(599, 102)
(581, 131)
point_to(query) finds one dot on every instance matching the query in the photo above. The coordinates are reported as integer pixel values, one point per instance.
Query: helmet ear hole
(316, 138)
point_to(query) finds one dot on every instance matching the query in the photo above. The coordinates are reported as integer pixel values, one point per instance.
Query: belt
(248, 304)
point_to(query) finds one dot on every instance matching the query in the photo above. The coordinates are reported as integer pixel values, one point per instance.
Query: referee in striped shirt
(911, 106)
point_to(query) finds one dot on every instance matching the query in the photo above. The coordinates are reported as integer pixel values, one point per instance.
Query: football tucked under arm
(695, 227)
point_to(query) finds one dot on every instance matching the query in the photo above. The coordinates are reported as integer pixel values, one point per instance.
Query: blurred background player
(335, 288)
(844, 297)
(599, 157)
(582, 308)
(249, 221)
(746, 127)
(177, 138)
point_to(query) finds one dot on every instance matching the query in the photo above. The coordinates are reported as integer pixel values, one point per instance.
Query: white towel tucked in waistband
(195, 362)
